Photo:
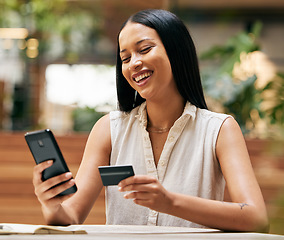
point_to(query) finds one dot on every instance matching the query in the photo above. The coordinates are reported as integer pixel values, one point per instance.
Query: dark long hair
(181, 53)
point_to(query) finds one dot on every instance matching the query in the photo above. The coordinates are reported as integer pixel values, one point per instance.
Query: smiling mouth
(143, 76)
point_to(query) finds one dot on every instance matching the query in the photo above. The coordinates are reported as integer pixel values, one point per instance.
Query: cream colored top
(187, 165)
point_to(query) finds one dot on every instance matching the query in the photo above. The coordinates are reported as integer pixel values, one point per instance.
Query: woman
(182, 153)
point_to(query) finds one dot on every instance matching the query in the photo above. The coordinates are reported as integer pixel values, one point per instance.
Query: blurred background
(57, 71)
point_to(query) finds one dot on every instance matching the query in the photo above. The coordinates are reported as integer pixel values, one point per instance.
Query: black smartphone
(43, 147)
(112, 175)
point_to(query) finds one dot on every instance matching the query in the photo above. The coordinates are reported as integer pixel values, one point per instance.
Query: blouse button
(171, 139)
(153, 213)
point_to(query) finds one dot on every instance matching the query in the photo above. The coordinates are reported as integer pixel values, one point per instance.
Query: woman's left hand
(147, 191)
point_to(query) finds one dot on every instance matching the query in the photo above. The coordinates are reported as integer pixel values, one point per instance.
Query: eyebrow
(137, 43)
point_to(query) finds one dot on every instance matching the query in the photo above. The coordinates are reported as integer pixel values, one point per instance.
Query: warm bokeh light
(32, 43)
(13, 33)
(255, 63)
(32, 48)
(32, 53)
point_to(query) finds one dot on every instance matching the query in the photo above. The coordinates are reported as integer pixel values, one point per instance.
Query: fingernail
(71, 182)
(119, 188)
(49, 162)
(68, 175)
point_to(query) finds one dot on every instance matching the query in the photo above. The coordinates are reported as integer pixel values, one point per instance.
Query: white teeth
(144, 75)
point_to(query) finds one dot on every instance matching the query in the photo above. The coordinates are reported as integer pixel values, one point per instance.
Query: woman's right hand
(45, 191)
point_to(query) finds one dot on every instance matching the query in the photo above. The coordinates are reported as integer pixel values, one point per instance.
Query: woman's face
(145, 64)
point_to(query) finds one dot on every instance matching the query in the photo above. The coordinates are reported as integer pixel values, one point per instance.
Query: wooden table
(109, 232)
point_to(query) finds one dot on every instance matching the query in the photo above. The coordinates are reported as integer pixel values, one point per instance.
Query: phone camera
(40, 143)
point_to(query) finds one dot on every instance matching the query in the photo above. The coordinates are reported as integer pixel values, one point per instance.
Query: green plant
(85, 118)
(275, 100)
(240, 94)
(62, 28)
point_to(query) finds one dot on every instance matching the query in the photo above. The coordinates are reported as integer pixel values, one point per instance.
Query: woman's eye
(125, 60)
(146, 49)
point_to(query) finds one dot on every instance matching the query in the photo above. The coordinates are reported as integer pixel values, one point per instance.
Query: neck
(163, 114)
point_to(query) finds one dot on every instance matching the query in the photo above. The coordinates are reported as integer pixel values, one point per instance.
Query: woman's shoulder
(210, 115)
(209, 120)
(102, 123)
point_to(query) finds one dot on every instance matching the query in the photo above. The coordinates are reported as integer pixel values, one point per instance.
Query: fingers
(53, 192)
(38, 169)
(147, 191)
(47, 191)
(50, 188)
(127, 184)
(143, 198)
(140, 187)
(138, 195)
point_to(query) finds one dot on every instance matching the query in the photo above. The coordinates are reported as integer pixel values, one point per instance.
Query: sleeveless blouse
(187, 165)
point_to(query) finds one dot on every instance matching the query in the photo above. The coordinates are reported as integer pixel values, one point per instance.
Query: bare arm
(73, 209)
(247, 213)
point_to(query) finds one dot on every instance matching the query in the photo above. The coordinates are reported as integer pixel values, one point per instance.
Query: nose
(135, 64)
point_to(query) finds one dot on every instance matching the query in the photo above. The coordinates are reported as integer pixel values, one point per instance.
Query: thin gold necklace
(157, 129)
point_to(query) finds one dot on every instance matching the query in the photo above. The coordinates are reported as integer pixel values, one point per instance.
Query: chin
(145, 96)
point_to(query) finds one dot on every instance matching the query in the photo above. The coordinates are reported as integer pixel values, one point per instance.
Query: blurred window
(82, 85)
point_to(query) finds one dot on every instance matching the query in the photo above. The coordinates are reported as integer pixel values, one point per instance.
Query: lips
(141, 76)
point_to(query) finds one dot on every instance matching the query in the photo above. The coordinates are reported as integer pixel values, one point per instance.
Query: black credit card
(112, 175)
